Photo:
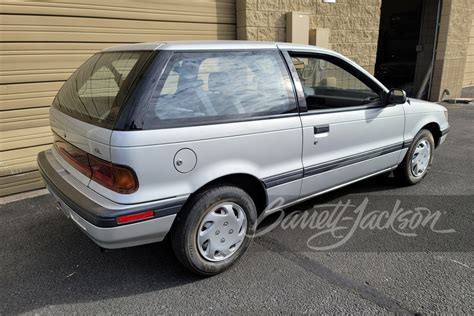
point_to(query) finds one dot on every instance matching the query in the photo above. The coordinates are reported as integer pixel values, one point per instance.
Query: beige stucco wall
(354, 24)
(451, 55)
(354, 27)
(469, 70)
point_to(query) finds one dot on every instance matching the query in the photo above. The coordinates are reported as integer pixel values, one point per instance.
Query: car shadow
(47, 260)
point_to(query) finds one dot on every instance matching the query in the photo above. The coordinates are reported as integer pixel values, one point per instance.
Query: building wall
(43, 42)
(353, 24)
(469, 70)
(451, 55)
(424, 58)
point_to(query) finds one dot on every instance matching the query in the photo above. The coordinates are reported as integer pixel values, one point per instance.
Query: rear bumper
(135, 234)
(97, 216)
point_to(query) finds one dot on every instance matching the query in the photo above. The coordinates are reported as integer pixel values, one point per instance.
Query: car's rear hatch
(86, 108)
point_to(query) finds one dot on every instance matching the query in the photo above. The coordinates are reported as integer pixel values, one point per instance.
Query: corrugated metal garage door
(42, 42)
(469, 69)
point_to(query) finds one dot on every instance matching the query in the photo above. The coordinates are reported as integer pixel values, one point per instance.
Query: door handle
(321, 129)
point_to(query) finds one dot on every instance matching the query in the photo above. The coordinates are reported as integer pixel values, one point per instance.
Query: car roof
(208, 45)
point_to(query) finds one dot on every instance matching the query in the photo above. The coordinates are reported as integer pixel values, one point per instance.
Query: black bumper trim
(444, 132)
(89, 210)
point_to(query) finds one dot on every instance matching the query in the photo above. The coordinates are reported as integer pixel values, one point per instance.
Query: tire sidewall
(196, 213)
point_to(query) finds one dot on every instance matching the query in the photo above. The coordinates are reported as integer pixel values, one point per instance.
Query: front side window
(199, 87)
(327, 85)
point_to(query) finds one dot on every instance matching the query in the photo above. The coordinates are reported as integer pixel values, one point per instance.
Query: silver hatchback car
(193, 140)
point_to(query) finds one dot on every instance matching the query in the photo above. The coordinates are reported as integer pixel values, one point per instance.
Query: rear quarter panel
(259, 148)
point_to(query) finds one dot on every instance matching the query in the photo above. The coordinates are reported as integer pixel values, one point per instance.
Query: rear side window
(97, 89)
(199, 87)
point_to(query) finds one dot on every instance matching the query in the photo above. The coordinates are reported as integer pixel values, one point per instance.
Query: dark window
(97, 89)
(200, 87)
(328, 85)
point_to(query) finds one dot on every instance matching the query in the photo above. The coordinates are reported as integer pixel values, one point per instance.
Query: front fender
(419, 114)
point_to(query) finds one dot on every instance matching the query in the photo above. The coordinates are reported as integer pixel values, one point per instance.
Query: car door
(348, 133)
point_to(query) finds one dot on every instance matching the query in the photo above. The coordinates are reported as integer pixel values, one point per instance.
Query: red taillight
(115, 177)
(134, 217)
(76, 157)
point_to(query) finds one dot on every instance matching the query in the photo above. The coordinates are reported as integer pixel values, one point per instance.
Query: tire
(405, 172)
(215, 213)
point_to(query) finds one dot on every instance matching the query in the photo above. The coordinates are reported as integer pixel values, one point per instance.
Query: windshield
(97, 90)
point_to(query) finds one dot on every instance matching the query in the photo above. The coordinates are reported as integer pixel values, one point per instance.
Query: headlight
(446, 114)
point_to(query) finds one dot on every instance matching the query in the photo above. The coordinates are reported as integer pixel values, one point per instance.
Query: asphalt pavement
(47, 265)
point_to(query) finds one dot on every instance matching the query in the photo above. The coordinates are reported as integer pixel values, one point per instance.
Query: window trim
(345, 65)
(130, 117)
(344, 109)
(162, 67)
(227, 121)
(296, 82)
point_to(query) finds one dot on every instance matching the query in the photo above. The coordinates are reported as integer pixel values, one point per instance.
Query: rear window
(201, 87)
(98, 89)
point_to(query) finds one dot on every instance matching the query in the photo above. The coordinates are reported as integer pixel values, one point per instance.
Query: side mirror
(396, 96)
